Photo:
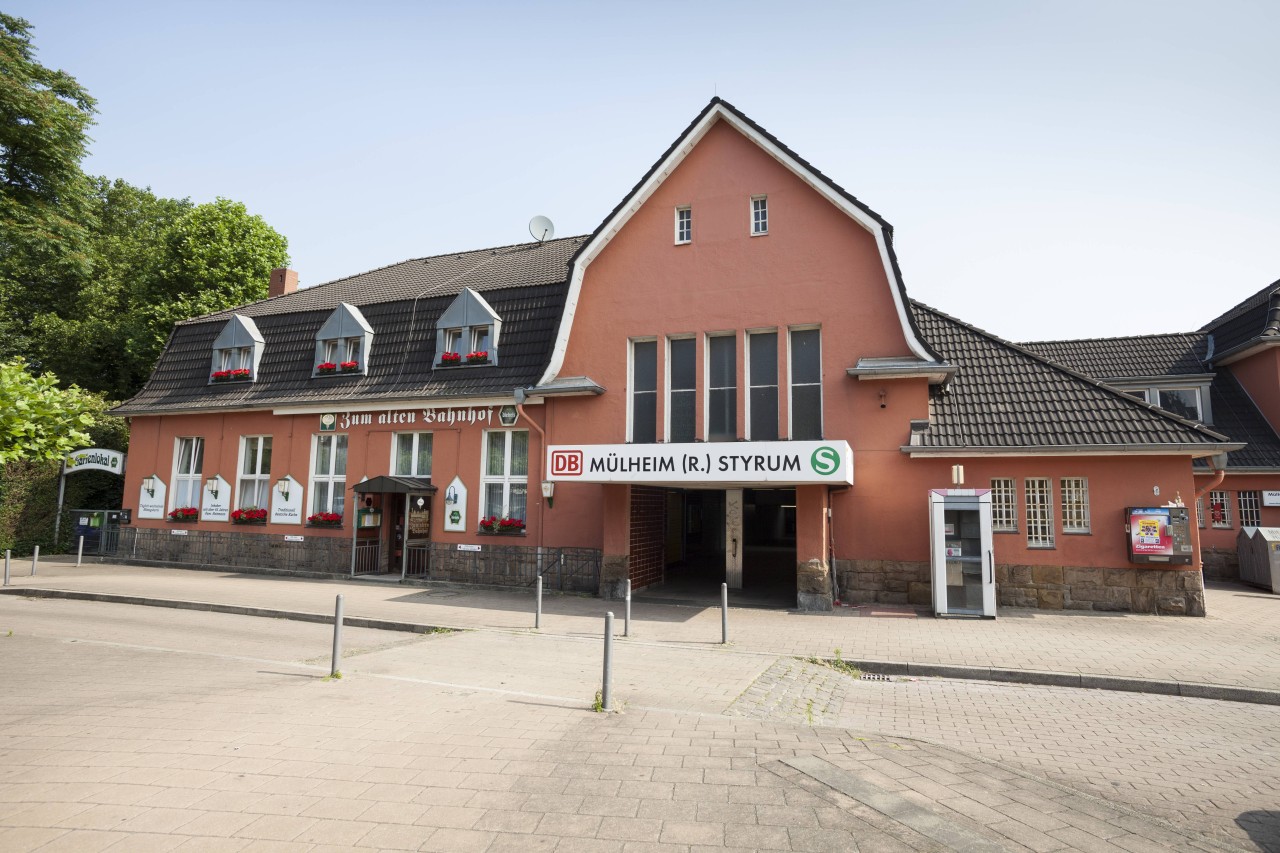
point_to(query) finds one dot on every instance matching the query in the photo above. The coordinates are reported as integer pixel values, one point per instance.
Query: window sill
(337, 373)
(465, 364)
(1042, 548)
(324, 526)
(246, 381)
(1077, 533)
(502, 533)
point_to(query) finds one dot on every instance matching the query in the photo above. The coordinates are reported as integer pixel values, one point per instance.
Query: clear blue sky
(1051, 169)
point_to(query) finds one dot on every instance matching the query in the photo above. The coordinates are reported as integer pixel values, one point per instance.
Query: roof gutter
(1196, 451)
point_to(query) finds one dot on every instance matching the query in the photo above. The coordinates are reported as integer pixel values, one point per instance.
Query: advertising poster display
(1149, 533)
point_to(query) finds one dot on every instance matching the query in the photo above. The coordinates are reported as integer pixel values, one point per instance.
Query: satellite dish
(541, 228)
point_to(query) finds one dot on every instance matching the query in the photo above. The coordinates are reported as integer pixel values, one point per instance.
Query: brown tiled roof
(526, 285)
(1006, 397)
(1133, 356)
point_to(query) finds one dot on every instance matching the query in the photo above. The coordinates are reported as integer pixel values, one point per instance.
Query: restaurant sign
(777, 462)
(432, 416)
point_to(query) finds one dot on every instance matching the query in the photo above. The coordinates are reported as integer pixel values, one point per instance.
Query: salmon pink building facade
(726, 382)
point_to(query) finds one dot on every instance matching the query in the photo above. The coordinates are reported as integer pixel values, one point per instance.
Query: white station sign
(1271, 497)
(780, 462)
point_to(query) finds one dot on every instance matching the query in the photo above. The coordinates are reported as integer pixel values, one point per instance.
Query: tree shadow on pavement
(1263, 828)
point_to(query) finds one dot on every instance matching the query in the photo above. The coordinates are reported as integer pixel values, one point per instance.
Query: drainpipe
(1219, 464)
(831, 540)
(542, 455)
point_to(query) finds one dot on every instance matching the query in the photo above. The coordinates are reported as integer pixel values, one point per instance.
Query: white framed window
(806, 384)
(759, 215)
(684, 224)
(1250, 504)
(329, 473)
(1200, 512)
(343, 350)
(1039, 512)
(504, 479)
(412, 454)
(467, 327)
(238, 347)
(235, 358)
(480, 339)
(253, 487)
(1220, 510)
(682, 389)
(1004, 505)
(1074, 495)
(643, 399)
(1140, 393)
(188, 466)
(722, 388)
(1181, 401)
(762, 386)
(346, 338)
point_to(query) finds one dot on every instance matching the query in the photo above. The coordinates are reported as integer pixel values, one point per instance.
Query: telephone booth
(961, 553)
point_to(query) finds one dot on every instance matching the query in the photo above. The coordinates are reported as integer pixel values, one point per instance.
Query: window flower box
(450, 359)
(349, 366)
(326, 367)
(478, 357)
(325, 519)
(501, 526)
(185, 513)
(249, 515)
(237, 375)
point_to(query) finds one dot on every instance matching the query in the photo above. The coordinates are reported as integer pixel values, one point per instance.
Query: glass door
(962, 548)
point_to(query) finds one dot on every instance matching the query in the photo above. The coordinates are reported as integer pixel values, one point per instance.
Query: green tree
(39, 420)
(44, 217)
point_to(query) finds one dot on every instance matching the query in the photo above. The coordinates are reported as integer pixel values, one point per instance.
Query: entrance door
(733, 538)
(416, 561)
(961, 553)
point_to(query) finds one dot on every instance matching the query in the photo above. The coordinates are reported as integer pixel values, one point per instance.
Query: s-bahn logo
(825, 460)
(566, 463)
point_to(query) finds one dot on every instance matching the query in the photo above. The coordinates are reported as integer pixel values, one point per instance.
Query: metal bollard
(605, 701)
(337, 636)
(626, 618)
(537, 612)
(35, 561)
(80, 552)
(6, 566)
(724, 614)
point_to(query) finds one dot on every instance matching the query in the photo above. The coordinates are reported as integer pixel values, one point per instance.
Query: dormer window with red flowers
(343, 343)
(467, 332)
(236, 352)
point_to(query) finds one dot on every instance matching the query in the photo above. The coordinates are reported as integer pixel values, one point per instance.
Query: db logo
(566, 463)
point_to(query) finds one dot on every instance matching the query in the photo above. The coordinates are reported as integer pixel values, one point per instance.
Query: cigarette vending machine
(1159, 534)
(961, 553)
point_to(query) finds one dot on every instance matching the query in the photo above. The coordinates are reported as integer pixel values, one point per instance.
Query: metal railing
(564, 569)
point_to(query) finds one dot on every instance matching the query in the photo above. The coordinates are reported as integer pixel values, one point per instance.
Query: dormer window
(236, 352)
(467, 332)
(343, 343)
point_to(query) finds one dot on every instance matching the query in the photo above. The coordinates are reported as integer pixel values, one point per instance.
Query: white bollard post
(605, 700)
(6, 566)
(626, 618)
(337, 636)
(35, 561)
(724, 614)
(537, 612)
(80, 552)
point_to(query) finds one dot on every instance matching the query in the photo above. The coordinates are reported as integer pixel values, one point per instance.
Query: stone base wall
(1220, 564)
(1131, 590)
(813, 586)
(613, 576)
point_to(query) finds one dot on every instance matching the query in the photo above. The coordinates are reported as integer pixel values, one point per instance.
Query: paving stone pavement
(1237, 644)
(130, 728)
(1200, 764)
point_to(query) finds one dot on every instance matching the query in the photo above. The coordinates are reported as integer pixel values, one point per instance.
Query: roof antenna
(541, 228)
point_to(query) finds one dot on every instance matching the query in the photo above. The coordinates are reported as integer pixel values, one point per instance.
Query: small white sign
(1271, 498)
(294, 538)
(215, 503)
(151, 504)
(462, 547)
(455, 507)
(96, 459)
(286, 506)
(178, 532)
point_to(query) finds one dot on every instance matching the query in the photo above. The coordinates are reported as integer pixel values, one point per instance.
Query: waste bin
(1259, 551)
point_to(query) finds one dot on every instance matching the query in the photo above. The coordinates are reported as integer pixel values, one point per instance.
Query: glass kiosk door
(961, 553)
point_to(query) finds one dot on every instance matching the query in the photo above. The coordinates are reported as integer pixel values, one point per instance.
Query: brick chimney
(283, 280)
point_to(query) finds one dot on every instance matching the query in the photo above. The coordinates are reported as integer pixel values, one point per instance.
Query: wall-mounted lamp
(282, 486)
(884, 398)
(149, 483)
(212, 485)
(548, 491)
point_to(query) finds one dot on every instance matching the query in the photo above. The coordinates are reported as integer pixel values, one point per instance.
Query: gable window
(236, 351)
(759, 215)
(505, 478)
(1220, 510)
(343, 342)
(329, 473)
(806, 384)
(254, 486)
(644, 392)
(684, 225)
(1184, 402)
(682, 383)
(188, 465)
(1039, 505)
(1075, 504)
(722, 388)
(762, 379)
(1250, 504)
(413, 454)
(1004, 505)
(468, 332)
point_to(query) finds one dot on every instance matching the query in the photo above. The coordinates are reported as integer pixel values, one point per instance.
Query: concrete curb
(1224, 692)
